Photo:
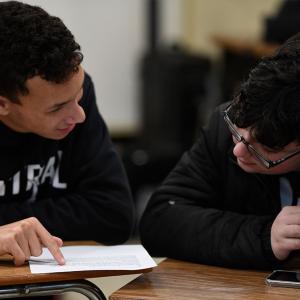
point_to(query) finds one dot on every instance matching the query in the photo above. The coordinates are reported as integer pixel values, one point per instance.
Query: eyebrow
(58, 105)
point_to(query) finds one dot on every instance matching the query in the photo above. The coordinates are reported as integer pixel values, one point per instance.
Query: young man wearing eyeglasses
(232, 200)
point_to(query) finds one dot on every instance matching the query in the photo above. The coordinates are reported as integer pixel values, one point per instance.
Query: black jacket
(76, 186)
(209, 210)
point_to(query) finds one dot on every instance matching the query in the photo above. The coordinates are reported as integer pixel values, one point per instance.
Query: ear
(4, 106)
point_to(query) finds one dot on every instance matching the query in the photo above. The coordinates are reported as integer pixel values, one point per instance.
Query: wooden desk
(180, 280)
(20, 282)
(255, 48)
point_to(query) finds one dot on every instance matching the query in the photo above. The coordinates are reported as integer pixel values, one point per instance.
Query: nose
(241, 150)
(77, 115)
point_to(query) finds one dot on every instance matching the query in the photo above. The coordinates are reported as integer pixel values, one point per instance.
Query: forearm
(206, 235)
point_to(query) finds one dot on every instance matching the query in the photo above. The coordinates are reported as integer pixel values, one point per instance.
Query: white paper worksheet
(86, 258)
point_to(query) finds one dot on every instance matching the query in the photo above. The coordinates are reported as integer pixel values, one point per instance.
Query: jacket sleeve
(186, 218)
(97, 204)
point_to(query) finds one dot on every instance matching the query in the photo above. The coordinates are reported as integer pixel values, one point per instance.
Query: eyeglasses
(239, 138)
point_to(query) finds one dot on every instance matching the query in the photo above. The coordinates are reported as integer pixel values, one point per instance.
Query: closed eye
(59, 106)
(56, 108)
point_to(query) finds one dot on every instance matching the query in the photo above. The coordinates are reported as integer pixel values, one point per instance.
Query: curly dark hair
(33, 43)
(268, 102)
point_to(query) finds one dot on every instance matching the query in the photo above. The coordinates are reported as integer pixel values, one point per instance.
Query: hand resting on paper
(26, 238)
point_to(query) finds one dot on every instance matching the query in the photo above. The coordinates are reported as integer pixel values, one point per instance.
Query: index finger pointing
(49, 241)
(55, 251)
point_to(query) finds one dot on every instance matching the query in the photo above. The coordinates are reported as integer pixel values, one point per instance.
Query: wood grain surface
(180, 280)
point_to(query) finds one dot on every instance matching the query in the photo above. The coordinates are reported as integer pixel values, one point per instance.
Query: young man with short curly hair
(60, 177)
(232, 200)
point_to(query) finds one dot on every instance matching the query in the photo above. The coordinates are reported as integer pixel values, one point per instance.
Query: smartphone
(284, 278)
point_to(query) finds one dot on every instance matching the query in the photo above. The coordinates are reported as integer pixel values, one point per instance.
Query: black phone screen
(292, 276)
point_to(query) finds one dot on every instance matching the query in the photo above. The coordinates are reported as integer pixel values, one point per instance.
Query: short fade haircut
(268, 102)
(33, 43)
